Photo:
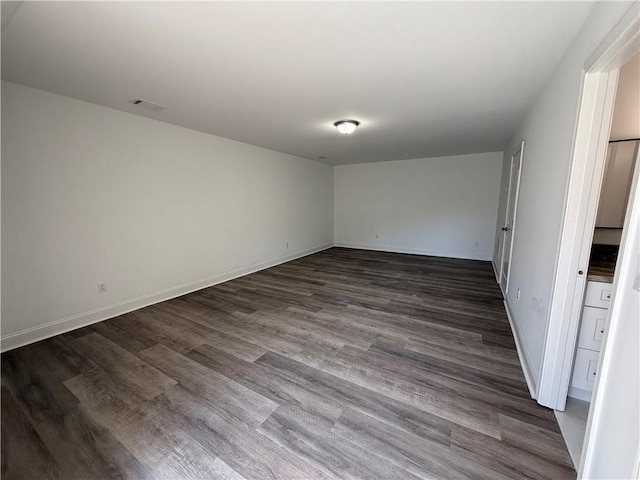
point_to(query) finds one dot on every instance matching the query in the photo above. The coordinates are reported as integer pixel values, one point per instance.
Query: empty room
(320, 240)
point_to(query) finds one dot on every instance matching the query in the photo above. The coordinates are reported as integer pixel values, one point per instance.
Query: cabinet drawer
(592, 328)
(598, 294)
(585, 368)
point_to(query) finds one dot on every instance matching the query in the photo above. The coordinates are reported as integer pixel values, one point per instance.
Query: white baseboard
(56, 327)
(525, 361)
(580, 394)
(415, 251)
(495, 270)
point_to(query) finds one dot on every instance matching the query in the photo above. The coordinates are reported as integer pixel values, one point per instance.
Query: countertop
(602, 263)
(601, 271)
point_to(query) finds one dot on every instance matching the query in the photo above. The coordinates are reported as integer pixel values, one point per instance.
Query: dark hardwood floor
(344, 364)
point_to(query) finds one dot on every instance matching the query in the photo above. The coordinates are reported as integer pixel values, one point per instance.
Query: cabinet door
(616, 185)
(585, 368)
(592, 328)
(598, 294)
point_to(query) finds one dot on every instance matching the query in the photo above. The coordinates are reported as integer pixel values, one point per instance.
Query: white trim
(56, 327)
(415, 251)
(495, 271)
(587, 167)
(620, 45)
(523, 354)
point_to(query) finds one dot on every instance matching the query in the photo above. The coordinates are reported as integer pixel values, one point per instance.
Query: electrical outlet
(102, 287)
(376, 235)
(518, 295)
(287, 244)
(476, 243)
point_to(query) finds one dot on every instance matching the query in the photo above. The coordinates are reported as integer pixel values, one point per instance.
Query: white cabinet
(593, 325)
(616, 184)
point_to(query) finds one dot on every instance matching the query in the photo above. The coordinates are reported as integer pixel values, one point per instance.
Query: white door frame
(515, 191)
(583, 191)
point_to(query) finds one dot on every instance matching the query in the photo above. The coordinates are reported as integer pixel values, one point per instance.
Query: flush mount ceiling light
(347, 127)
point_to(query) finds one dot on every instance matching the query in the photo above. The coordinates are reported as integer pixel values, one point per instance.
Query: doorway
(586, 176)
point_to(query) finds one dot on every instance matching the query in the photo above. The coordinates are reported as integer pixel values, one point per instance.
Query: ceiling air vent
(148, 105)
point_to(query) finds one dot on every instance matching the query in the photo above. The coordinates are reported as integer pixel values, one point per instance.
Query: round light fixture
(347, 127)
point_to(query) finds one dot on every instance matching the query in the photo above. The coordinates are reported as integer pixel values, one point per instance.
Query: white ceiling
(424, 79)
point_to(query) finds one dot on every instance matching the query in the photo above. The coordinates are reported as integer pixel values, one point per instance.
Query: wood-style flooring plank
(505, 457)
(122, 338)
(106, 397)
(34, 375)
(24, 455)
(534, 439)
(330, 453)
(241, 403)
(418, 455)
(504, 378)
(123, 365)
(84, 449)
(344, 393)
(429, 395)
(267, 383)
(171, 452)
(183, 319)
(248, 453)
(425, 345)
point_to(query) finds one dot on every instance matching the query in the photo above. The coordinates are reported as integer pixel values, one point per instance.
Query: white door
(510, 218)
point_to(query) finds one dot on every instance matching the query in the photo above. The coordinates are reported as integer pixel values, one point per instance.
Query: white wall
(548, 131)
(444, 206)
(91, 194)
(607, 236)
(625, 125)
(626, 113)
